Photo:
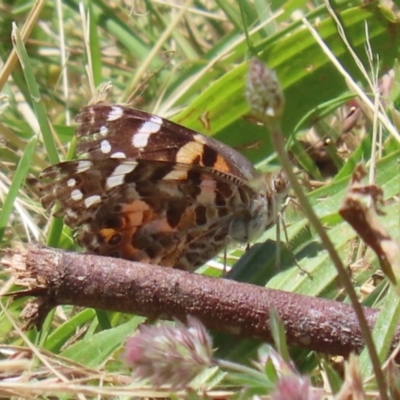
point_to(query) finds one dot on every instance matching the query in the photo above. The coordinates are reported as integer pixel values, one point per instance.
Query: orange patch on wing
(137, 213)
(135, 218)
(135, 206)
(107, 233)
(188, 220)
(221, 165)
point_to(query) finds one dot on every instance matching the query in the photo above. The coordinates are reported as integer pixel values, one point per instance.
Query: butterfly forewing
(120, 132)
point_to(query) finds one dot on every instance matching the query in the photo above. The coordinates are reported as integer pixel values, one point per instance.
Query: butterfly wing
(154, 191)
(116, 131)
(160, 212)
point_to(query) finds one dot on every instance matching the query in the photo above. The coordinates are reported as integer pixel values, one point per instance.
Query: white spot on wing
(76, 195)
(113, 181)
(83, 166)
(71, 182)
(115, 113)
(103, 130)
(140, 140)
(118, 175)
(89, 201)
(105, 147)
(118, 154)
(71, 215)
(141, 137)
(153, 125)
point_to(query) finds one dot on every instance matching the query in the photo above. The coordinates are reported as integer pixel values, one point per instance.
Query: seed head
(169, 355)
(295, 388)
(263, 92)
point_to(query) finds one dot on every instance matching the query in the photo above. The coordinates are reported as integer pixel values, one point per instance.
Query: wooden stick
(57, 277)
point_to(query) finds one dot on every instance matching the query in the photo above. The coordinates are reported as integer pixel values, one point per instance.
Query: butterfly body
(151, 190)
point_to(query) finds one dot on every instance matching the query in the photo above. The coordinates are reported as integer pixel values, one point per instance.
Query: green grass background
(188, 62)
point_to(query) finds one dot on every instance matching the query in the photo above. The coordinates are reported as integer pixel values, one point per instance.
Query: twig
(57, 277)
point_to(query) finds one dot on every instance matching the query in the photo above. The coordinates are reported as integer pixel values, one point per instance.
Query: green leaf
(384, 331)
(278, 334)
(65, 331)
(20, 175)
(94, 351)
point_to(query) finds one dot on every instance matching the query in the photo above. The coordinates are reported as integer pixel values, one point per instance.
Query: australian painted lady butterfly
(153, 191)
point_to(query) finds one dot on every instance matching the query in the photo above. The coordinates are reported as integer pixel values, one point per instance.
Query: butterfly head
(280, 185)
(262, 210)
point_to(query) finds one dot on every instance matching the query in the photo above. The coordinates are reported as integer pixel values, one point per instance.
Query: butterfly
(150, 190)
